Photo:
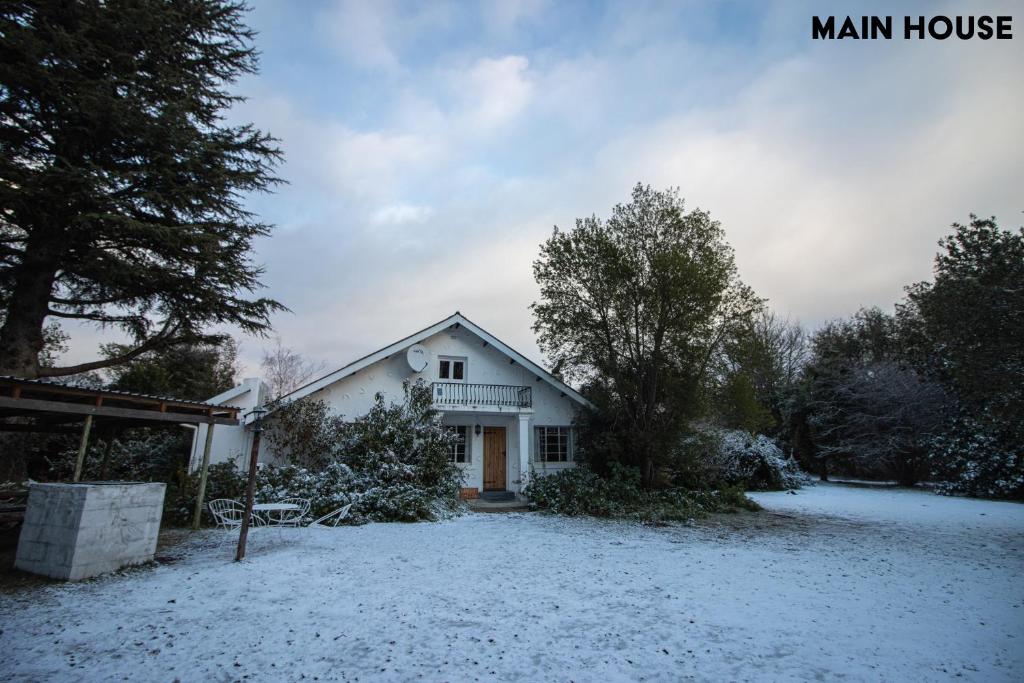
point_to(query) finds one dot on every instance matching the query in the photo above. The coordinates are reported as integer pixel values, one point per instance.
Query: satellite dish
(418, 357)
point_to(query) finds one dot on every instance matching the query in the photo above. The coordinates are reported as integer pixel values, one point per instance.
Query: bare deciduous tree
(881, 416)
(285, 370)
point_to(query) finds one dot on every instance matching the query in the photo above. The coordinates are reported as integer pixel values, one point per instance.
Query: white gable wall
(352, 396)
(229, 443)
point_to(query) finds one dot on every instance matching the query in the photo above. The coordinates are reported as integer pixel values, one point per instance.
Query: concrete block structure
(75, 531)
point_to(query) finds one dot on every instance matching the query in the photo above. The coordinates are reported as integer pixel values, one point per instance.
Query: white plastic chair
(289, 517)
(332, 518)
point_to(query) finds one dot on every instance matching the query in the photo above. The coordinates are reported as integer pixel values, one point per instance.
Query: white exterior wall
(229, 443)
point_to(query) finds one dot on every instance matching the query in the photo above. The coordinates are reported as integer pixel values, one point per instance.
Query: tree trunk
(21, 337)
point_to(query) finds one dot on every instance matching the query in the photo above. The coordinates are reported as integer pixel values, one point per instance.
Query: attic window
(453, 369)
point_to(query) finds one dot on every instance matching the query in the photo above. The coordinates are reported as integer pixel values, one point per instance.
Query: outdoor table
(272, 507)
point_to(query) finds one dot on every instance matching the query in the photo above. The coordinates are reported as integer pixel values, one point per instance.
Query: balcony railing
(460, 394)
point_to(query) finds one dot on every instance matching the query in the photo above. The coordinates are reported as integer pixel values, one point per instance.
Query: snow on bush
(392, 463)
(737, 457)
(980, 459)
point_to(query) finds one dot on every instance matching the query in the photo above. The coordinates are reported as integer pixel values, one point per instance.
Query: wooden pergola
(28, 405)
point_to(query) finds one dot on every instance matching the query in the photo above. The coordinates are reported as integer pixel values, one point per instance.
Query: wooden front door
(494, 458)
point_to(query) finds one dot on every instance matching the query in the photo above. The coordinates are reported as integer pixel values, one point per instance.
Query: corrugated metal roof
(107, 392)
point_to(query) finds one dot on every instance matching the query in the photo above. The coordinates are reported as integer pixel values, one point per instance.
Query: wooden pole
(250, 493)
(203, 470)
(82, 445)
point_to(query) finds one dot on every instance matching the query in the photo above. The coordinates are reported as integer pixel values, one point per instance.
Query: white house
(513, 418)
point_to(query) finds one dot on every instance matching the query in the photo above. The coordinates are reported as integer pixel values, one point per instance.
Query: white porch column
(525, 446)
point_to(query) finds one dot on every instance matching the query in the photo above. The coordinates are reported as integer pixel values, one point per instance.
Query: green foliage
(635, 307)
(739, 406)
(123, 183)
(966, 329)
(405, 444)
(307, 433)
(223, 480)
(980, 457)
(715, 458)
(194, 371)
(581, 491)
(759, 367)
(970, 320)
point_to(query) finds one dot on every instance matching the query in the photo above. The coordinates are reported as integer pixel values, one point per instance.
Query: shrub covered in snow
(581, 491)
(754, 462)
(712, 457)
(980, 459)
(392, 463)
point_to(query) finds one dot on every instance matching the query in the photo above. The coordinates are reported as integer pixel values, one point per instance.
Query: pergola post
(82, 445)
(203, 470)
(250, 492)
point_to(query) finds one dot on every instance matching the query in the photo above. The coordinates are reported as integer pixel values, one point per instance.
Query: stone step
(497, 496)
(498, 506)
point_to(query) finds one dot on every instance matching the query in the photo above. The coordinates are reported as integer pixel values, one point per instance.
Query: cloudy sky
(432, 146)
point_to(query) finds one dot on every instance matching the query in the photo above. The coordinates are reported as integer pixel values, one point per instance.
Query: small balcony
(450, 394)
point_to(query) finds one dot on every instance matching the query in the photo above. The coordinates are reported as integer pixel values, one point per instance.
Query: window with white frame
(553, 444)
(451, 369)
(458, 450)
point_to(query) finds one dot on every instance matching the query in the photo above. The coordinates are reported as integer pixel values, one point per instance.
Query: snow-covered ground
(831, 582)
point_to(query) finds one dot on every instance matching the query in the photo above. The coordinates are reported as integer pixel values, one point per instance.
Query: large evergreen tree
(968, 331)
(192, 371)
(121, 184)
(636, 307)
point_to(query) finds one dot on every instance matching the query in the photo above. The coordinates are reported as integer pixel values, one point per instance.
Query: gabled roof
(455, 320)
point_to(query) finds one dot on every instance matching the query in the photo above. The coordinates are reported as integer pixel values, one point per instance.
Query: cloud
(493, 91)
(437, 146)
(364, 32)
(397, 214)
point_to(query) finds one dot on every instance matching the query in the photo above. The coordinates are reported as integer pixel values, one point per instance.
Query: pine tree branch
(165, 338)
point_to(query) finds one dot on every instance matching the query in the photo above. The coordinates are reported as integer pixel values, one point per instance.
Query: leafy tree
(971, 318)
(761, 362)
(966, 328)
(194, 371)
(738, 404)
(838, 349)
(636, 307)
(122, 184)
(307, 433)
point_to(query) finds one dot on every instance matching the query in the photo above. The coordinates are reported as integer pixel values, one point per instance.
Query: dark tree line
(645, 310)
(930, 392)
